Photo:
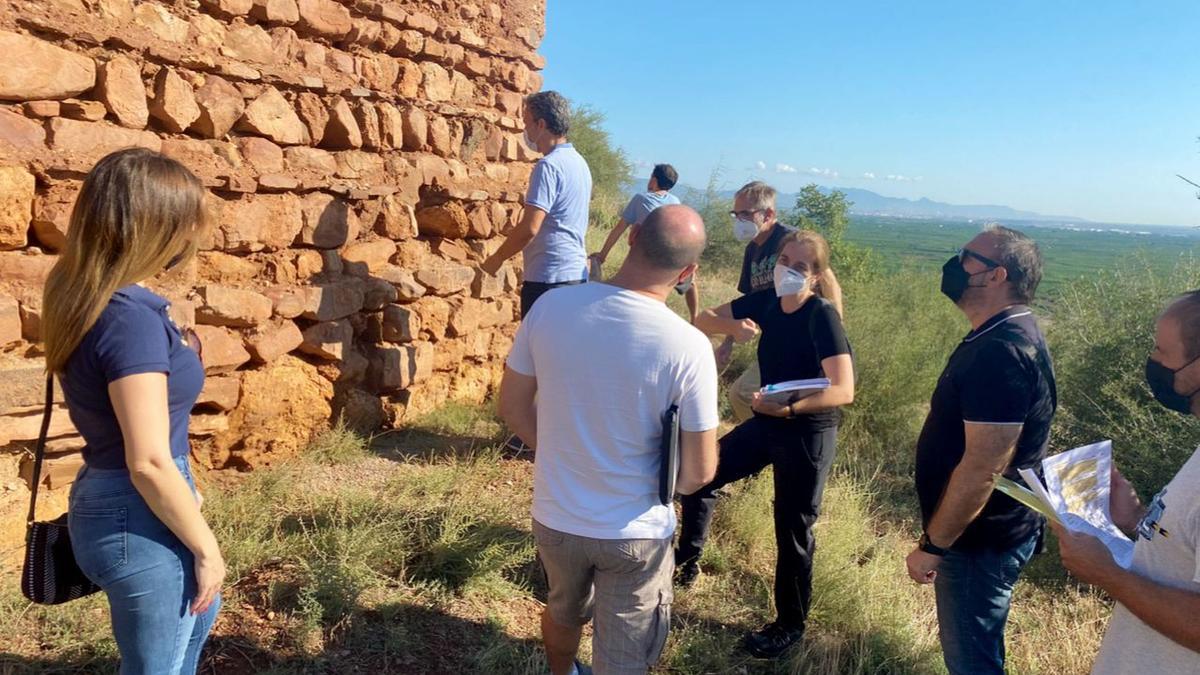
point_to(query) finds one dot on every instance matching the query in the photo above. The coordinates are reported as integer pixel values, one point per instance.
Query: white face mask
(529, 141)
(744, 230)
(788, 281)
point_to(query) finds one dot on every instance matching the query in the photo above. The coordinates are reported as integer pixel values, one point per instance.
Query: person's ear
(768, 215)
(999, 275)
(687, 273)
(1187, 380)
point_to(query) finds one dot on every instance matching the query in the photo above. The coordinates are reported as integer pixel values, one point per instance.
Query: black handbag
(50, 575)
(668, 473)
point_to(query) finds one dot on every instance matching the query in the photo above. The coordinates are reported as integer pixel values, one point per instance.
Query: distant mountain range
(868, 203)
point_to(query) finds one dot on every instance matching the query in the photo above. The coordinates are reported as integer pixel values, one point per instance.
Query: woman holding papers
(794, 431)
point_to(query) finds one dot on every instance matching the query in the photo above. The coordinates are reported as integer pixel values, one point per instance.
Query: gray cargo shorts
(623, 585)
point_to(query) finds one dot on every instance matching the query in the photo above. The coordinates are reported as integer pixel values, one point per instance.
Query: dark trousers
(801, 457)
(532, 290)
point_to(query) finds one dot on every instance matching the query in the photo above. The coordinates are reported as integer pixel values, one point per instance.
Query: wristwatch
(929, 547)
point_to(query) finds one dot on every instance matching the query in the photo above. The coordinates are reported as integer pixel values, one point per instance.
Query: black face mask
(955, 280)
(1162, 384)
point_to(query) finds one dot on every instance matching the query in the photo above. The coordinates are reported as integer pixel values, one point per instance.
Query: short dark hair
(665, 176)
(1186, 310)
(553, 109)
(663, 249)
(1021, 257)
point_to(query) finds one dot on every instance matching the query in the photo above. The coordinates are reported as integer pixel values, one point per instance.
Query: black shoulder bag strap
(39, 453)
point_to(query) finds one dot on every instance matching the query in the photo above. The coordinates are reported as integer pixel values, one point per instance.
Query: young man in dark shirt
(755, 221)
(990, 414)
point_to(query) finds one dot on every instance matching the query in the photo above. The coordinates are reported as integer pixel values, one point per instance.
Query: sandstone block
(391, 367)
(422, 22)
(324, 18)
(422, 361)
(445, 220)
(207, 32)
(276, 11)
(228, 8)
(304, 160)
(10, 320)
(222, 349)
(257, 222)
(35, 69)
(89, 141)
(233, 307)
(400, 324)
(215, 267)
(272, 116)
(18, 132)
(289, 301)
(221, 106)
(378, 294)
(439, 136)
(160, 21)
(28, 266)
(486, 286)
(371, 254)
(326, 221)
(52, 214)
(446, 278)
(342, 131)
(368, 121)
(408, 83)
(407, 288)
(16, 206)
(248, 42)
(174, 103)
(262, 155)
(328, 340)
(435, 316)
(414, 127)
(335, 300)
(436, 82)
(220, 393)
(396, 219)
(119, 86)
(314, 114)
(391, 126)
(88, 111)
(272, 342)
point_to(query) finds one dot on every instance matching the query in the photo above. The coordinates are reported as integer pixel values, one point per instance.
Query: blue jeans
(973, 593)
(143, 568)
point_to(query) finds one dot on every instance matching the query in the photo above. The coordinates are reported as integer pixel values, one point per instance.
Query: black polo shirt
(1001, 373)
(758, 263)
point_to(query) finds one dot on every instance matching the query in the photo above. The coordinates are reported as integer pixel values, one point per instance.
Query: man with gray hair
(554, 222)
(592, 371)
(990, 414)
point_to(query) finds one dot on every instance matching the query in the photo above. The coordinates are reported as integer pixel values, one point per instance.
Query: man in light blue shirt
(554, 223)
(658, 193)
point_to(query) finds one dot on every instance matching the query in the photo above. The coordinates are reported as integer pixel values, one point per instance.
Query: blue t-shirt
(643, 203)
(561, 185)
(133, 335)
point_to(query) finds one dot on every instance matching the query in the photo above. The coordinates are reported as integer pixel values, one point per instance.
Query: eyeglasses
(745, 214)
(964, 253)
(191, 339)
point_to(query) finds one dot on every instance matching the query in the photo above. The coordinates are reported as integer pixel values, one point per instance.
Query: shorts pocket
(660, 628)
(100, 541)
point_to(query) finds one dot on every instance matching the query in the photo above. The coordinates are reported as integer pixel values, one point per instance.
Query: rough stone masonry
(362, 157)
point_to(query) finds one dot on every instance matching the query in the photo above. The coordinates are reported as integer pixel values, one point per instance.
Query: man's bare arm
(697, 460)
(990, 449)
(517, 405)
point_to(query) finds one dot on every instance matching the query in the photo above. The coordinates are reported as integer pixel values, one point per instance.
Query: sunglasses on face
(964, 253)
(191, 339)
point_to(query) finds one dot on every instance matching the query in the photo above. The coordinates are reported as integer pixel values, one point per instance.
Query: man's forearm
(612, 239)
(516, 242)
(523, 423)
(711, 324)
(969, 489)
(1170, 611)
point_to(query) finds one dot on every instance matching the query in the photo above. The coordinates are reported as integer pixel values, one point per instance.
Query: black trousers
(532, 290)
(801, 457)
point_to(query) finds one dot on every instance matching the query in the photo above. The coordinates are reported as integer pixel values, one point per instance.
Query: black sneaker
(686, 573)
(772, 640)
(515, 445)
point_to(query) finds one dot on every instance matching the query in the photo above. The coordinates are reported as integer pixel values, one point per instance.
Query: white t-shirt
(609, 363)
(1130, 646)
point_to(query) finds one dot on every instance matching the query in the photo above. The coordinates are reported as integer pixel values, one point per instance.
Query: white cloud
(760, 165)
(784, 168)
(869, 175)
(830, 173)
(900, 178)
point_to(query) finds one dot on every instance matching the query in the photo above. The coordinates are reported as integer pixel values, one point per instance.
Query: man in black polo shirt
(755, 221)
(990, 414)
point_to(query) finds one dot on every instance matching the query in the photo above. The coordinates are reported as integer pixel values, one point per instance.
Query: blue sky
(1085, 109)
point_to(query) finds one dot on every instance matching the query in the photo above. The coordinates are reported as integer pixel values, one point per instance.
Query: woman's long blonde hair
(820, 249)
(137, 213)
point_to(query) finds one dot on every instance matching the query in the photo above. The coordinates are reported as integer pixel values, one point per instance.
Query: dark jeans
(801, 457)
(973, 592)
(532, 290)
